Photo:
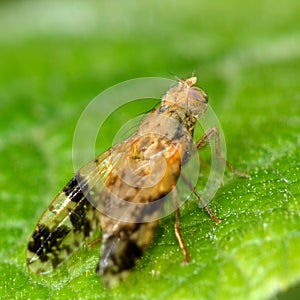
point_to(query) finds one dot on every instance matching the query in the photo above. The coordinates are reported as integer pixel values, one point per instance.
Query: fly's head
(187, 98)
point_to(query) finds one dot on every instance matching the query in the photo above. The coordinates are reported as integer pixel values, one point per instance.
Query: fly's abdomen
(121, 250)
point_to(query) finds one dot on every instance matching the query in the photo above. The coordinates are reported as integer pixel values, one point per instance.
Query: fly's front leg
(177, 227)
(204, 140)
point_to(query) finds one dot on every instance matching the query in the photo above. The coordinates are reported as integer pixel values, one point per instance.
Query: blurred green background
(55, 56)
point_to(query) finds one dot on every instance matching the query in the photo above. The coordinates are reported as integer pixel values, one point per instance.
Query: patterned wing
(69, 219)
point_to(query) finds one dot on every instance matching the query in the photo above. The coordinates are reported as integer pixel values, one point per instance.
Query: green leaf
(57, 56)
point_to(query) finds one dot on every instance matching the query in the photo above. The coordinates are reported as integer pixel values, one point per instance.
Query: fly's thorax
(169, 121)
(169, 126)
(162, 122)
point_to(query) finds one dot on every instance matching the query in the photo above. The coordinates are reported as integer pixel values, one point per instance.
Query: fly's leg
(95, 242)
(204, 140)
(177, 227)
(203, 203)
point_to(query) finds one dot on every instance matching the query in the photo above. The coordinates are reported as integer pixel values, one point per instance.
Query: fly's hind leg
(204, 140)
(177, 227)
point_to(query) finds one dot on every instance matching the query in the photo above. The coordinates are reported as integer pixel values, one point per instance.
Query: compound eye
(199, 94)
